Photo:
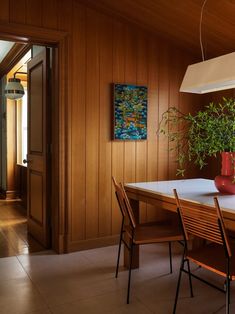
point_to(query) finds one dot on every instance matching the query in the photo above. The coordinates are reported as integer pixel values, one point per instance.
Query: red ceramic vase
(225, 182)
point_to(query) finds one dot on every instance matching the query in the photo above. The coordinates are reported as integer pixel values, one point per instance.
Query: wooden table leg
(135, 258)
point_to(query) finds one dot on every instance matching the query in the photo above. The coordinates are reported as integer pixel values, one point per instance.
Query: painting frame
(130, 112)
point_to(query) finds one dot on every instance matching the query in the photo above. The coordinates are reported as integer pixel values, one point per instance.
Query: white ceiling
(5, 47)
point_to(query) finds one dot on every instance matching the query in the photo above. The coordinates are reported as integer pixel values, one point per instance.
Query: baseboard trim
(9, 195)
(92, 243)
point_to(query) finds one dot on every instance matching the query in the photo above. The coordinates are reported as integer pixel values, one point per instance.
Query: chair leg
(190, 279)
(170, 254)
(178, 284)
(227, 294)
(129, 279)
(119, 251)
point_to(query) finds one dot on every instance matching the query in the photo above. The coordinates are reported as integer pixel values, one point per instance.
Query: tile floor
(84, 283)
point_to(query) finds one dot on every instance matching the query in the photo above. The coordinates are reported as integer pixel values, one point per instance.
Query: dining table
(192, 192)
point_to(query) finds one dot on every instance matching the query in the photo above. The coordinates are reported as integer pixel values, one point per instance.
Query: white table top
(200, 191)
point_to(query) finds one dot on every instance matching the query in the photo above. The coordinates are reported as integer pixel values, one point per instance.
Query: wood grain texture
(14, 239)
(92, 123)
(34, 12)
(153, 104)
(78, 127)
(29, 33)
(163, 98)
(105, 146)
(38, 174)
(17, 11)
(64, 14)
(100, 50)
(117, 146)
(50, 14)
(141, 146)
(130, 42)
(179, 21)
(175, 80)
(116, 52)
(4, 12)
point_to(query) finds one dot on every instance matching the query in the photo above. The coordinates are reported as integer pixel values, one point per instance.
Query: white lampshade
(14, 89)
(210, 75)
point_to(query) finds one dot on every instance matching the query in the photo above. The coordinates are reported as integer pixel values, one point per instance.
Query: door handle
(26, 161)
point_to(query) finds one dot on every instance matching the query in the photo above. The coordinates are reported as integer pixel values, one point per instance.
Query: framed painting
(130, 112)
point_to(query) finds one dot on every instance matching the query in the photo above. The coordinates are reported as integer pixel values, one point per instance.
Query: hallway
(14, 239)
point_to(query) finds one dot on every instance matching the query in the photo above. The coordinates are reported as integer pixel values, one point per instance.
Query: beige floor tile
(49, 261)
(158, 294)
(83, 282)
(77, 287)
(19, 296)
(10, 268)
(111, 303)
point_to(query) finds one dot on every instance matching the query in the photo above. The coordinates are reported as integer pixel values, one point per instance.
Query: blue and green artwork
(130, 112)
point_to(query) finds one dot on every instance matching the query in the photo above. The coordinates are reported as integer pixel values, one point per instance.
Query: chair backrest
(206, 223)
(124, 203)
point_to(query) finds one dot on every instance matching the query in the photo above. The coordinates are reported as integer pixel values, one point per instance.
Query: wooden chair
(138, 234)
(216, 254)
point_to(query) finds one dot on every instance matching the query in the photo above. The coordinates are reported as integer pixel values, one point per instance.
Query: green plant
(202, 135)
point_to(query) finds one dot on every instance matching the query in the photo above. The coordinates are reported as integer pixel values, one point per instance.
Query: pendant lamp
(210, 75)
(14, 89)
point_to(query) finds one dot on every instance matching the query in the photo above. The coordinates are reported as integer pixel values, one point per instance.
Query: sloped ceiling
(178, 20)
(5, 47)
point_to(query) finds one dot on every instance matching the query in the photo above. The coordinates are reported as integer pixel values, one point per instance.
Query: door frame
(59, 132)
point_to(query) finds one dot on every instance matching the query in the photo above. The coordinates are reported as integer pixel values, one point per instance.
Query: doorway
(60, 128)
(26, 153)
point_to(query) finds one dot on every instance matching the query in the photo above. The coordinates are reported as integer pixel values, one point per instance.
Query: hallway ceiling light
(14, 89)
(210, 75)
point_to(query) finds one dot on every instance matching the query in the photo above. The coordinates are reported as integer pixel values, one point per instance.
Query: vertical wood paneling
(64, 13)
(175, 80)
(130, 77)
(50, 14)
(105, 168)
(65, 22)
(116, 52)
(17, 11)
(92, 124)
(78, 126)
(101, 51)
(34, 12)
(152, 144)
(117, 146)
(163, 102)
(4, 11)
(141, 146)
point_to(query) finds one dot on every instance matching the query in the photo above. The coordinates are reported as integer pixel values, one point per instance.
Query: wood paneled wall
(103, 50)
(106, 50)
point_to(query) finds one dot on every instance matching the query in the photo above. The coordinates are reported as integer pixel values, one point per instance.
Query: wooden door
(38, 142)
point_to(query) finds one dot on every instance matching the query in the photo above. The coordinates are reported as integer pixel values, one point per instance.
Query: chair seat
(212, 257)
(156, 232)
